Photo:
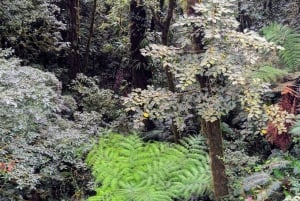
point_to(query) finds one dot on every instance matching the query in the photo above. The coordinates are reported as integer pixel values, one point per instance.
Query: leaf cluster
(90, 97)
(224, 66)
(295, 130)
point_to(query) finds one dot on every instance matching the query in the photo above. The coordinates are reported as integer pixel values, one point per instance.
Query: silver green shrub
(42, 147)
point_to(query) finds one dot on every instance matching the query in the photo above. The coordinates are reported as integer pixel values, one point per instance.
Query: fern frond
(194, 143)
(295, 131)
(192, 182)
(255, 180)
(129, 169)
(287, 38)
(269, 74)
(140, 193)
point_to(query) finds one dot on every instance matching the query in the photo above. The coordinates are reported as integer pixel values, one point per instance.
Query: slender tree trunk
(212, 131)
(74, 38)
(164, 39)
(170, 79)
(91, 31)
(165, 27)
(140, 74)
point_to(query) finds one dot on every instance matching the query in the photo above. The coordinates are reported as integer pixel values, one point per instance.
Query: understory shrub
(277, 178)
(39, 149)
(290, 198)
(126, 168)
(33, 29)
(104, 103)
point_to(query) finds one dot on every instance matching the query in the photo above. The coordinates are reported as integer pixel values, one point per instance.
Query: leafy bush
(39, 148)
(126, 168)
(32, 28)
(103, 103)
(91, 98)
(238, 163)
(295, 130)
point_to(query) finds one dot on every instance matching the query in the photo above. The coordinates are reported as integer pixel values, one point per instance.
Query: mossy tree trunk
(211, 130)
(91, 31)
(140, 74)
(164, 40)
(74, 61)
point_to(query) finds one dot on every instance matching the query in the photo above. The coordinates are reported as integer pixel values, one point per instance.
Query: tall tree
(222, 69)
(74, 23)
(140, 74)
(91, 31)
(211, 129)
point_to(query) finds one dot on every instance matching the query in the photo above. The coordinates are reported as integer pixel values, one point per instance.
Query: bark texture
(140, 74)
(213, 133)
(91, 31)
(74, 61)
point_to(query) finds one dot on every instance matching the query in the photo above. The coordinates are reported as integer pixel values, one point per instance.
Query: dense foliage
(163, 69)
(32, 29)
(39, 143)
(126, 168)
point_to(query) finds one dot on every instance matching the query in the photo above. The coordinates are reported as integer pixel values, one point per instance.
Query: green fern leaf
(295, 130)
(269, 74)
(129, 169)
(287, 38)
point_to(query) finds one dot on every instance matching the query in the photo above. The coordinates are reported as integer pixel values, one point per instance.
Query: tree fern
(126, 168)
(287, 38)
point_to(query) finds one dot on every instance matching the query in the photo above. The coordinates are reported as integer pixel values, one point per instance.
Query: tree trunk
(164, 39)
(74, 38)
(88, 44)
(211, 130)
(170, 79)
(213, 133)
(140, 74)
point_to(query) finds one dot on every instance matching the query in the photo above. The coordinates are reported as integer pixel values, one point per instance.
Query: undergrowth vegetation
(126, 168)
(153, 100)
(280, 173)
(39, 147)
